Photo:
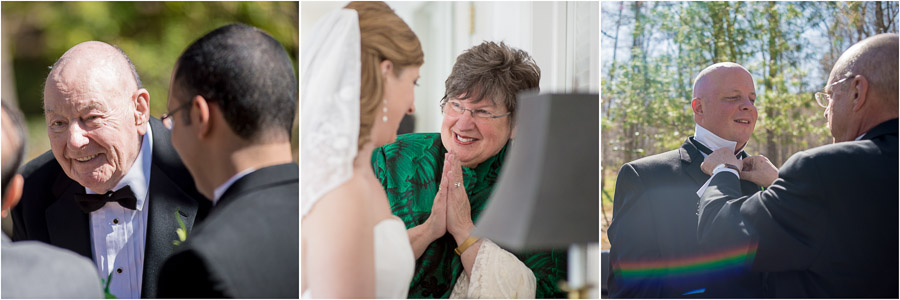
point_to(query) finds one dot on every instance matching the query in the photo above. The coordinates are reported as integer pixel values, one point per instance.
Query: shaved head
(876, 59)
(863, 87)
(704, 82)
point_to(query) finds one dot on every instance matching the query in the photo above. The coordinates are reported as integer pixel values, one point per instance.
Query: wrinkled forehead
(77, 83)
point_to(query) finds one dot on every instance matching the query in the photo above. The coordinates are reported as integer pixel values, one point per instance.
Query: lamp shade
(547, 196)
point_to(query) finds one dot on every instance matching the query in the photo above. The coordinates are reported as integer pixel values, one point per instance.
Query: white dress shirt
(118, 234)
(713, 142)
(219, 191)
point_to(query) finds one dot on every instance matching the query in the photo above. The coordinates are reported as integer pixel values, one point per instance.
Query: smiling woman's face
(474, 139)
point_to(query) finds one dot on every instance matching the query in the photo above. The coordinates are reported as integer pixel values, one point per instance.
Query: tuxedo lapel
(691, 160)
(165, 199)
(168, 181)
(67, 225)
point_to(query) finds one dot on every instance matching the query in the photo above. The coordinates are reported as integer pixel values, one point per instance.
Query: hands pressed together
(757, 168)
(451, 211)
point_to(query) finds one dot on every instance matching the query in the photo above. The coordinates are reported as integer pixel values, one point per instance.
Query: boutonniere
(106, 293)
(181, 231)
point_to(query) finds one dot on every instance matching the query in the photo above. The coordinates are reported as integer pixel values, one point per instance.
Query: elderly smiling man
(653, 236)
(112, 184)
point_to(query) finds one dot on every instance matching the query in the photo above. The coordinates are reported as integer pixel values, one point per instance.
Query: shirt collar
(138, 177)
(219, 191)
(713, 141)
(860, 136)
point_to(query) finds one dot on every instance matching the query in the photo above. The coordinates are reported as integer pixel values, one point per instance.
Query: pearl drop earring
(384, 110)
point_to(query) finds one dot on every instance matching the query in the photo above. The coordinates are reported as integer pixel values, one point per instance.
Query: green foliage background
(153, 34)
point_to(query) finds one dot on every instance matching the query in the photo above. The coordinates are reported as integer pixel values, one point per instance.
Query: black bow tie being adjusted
(707, 151)
(124, 196)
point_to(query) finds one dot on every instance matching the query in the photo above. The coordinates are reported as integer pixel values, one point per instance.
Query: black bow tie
(707, 151)
(124, 196)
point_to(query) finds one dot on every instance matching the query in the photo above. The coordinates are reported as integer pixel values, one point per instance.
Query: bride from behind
(359, 69)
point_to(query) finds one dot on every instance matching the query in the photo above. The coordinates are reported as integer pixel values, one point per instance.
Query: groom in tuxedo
(826, 226)
(111, 186)
(654, 251)
(232, 102)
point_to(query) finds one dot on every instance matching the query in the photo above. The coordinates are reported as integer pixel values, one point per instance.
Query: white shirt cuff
(717, 170)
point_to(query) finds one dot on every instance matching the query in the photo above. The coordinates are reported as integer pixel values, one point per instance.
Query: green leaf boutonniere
(181, 231)
(106, 293)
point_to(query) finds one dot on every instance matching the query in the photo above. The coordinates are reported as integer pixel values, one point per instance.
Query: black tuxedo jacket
(47, 211)
(249, 245)
(653, 236)
(827, 227)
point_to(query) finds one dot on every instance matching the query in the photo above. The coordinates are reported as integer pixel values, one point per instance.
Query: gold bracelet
(465, 245)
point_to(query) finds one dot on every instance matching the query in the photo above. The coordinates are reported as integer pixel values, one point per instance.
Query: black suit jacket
(653, 236)
(827, 227)
(249, 245)
(47, 211)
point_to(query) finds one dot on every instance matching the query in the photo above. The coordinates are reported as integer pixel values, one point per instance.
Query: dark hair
(8, 167)
(495, 71)
(248, 74)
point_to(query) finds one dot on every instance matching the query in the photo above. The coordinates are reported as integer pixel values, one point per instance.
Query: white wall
(562, 37)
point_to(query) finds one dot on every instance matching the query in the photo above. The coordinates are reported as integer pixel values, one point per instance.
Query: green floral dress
(410, 170)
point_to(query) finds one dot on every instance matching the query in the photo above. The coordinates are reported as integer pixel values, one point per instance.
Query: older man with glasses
(826, 226)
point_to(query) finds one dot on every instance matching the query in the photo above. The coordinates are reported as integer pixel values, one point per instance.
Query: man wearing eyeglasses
(654, 251)
(112, 186)
(826, 226)
(232, 103)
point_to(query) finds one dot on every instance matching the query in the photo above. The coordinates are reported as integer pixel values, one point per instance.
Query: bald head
(708, 79)
(874, 58)
(85, 63)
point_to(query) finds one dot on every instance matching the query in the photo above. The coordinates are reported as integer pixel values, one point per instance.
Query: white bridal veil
(329, 105)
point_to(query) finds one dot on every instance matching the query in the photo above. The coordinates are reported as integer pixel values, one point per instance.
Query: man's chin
(96, 182)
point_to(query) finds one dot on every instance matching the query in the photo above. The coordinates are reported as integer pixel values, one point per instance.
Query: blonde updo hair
(383, 36)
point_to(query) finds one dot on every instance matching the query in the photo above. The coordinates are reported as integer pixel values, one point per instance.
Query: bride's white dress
(394, 260)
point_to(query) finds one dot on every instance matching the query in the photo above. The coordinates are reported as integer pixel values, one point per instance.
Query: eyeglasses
(166, 118)
(457, 110)
(824, 99)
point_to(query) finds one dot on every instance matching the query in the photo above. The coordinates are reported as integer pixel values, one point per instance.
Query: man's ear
(141, 99)
(861, 84)
(200, 113)
(512, 134)
(697, 107)
(12, 194)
